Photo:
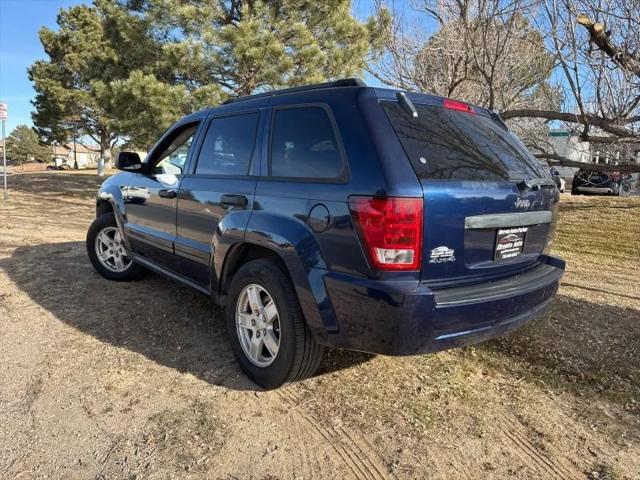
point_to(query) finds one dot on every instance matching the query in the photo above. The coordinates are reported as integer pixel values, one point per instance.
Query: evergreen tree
(227, 48)
(97, 53)
(23, 145)
(129, 68)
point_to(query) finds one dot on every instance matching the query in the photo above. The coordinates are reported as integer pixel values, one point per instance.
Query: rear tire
(105, 226)
(298, 354)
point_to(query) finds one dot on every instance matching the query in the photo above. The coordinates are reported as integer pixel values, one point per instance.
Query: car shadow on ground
(168, 323)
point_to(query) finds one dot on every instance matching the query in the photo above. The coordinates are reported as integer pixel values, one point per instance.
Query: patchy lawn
(111, 380)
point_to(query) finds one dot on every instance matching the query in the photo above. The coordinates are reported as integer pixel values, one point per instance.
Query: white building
(63, 155)
(567, 144)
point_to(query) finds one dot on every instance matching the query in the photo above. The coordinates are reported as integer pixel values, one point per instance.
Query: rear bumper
(400, 319)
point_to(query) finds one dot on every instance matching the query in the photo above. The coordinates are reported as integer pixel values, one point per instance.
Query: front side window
(304, 145)
(172, 159)
(228, 145)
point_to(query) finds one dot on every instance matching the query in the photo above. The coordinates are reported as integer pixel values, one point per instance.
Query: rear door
(488, 204)
(220, 186)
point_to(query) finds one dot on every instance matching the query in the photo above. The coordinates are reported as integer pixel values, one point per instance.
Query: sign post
(3, 117)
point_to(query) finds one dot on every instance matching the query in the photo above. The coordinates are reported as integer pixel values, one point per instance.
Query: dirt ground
(110, 380)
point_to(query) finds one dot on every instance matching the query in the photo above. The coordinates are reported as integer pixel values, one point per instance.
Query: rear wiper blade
(407, 104)
(535, 183)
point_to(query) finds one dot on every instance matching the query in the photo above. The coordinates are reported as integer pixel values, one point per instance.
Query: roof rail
(345, 82)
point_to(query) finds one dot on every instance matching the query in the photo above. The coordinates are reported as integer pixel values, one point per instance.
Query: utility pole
(3, 117)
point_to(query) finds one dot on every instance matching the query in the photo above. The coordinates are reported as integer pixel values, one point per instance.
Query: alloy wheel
(258, 325)
(110, 250)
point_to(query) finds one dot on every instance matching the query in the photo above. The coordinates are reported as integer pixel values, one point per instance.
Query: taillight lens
(390, 229)
(456, 105)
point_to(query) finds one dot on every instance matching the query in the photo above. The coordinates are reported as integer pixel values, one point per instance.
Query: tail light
(390, 229)
(456, 105)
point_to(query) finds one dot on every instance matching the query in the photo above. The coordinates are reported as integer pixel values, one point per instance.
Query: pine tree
(23, 145)
(237, 47)
(126, 69)
(95, 56)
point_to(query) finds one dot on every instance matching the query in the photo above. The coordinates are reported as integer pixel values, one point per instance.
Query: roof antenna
(406, 104)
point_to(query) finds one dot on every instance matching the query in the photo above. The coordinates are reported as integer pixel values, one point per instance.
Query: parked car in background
(586, 181)
(342, 215)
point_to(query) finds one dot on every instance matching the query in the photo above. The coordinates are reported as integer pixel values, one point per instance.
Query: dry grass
(115, 380)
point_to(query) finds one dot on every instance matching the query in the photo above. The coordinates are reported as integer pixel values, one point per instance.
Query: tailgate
(488, 203)
(483, 229)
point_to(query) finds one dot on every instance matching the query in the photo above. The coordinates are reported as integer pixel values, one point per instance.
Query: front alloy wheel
(107, 253)
(110, 250)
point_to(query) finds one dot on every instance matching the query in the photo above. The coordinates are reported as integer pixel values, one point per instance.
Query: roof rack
(345, 82)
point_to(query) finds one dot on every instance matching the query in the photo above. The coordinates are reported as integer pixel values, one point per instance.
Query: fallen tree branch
(615, 127)
(608, 140)
(560, 161)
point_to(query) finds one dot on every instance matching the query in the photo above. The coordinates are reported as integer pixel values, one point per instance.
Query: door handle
(168, 193)
(230, 200)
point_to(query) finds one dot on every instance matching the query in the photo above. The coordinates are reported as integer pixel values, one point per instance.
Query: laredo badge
(442, 254)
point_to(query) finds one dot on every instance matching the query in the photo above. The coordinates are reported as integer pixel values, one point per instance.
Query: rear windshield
(452, 145)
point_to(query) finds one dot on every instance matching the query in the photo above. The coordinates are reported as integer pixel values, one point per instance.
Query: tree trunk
(105, 149)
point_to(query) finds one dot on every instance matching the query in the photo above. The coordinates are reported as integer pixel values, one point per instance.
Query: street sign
(3, 112)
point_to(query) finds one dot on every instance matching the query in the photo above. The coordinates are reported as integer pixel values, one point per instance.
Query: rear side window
(228, 145)
(304, 145)
(453, 145)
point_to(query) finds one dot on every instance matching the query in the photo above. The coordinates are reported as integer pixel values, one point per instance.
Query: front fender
(110, 192)
(296, 245)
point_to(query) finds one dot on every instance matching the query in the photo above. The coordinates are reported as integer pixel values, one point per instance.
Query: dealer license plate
(509, 243)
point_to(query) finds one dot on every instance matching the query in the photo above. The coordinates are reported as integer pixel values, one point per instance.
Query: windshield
(453, 145)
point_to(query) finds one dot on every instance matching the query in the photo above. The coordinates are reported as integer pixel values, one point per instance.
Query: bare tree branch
(600, 37)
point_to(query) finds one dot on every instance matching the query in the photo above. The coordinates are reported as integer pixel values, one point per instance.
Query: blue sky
(20, 21)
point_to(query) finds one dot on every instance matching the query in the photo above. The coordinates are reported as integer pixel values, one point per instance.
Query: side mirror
(129, 162)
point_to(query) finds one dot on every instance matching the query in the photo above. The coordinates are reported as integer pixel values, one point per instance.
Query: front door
(152, 198)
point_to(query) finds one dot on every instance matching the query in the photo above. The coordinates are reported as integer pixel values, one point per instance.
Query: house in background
(86, 156)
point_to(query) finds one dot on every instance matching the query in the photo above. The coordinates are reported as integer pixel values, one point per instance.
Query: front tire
(106, 251)
(268, 333)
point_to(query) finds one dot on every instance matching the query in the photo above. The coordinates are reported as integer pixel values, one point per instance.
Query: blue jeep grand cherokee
(342, 215)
